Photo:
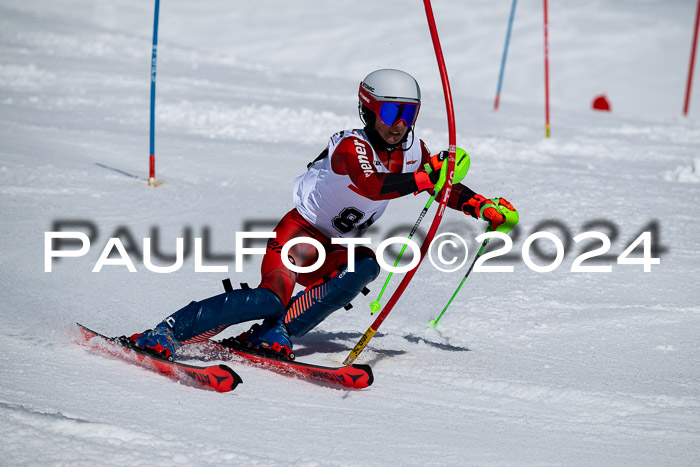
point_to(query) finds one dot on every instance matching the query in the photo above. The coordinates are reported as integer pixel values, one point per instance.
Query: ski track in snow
(74, 440)
(560, 368)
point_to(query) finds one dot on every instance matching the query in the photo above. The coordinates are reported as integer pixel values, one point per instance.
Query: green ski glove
(439, 162)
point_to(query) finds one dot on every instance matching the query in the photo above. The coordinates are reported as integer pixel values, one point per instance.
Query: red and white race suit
(343, 194)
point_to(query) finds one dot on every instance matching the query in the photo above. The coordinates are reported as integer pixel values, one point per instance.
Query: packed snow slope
(526, 367)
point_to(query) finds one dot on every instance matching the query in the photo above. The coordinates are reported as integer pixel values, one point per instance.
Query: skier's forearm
(398, 185)
(459, 198)
(385, 186)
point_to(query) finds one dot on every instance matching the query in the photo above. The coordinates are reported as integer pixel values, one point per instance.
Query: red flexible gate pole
(546, 71)
(692, 63)
(367, 336)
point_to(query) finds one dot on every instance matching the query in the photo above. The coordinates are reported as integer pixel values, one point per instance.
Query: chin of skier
(344, 191)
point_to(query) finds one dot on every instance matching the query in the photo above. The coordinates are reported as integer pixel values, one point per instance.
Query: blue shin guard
(199, 321)
(313, 305)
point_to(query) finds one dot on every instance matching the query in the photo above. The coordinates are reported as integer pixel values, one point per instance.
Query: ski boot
(159, 341)
(270, 338)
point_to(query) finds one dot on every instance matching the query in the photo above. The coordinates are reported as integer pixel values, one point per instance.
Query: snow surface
(562, 368)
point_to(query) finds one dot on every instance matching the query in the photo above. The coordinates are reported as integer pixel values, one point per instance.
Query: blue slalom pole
(505, 53)
(152, 171)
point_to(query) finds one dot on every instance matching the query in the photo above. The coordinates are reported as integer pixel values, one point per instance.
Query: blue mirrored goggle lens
(392, 113)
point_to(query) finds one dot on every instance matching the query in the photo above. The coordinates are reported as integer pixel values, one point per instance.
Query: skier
(344, 191)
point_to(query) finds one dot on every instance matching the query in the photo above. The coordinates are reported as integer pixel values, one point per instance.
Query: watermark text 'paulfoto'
(115, 254)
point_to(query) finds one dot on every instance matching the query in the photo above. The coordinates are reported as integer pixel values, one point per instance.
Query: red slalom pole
(692, 63)
(445, 193)
(546, 71)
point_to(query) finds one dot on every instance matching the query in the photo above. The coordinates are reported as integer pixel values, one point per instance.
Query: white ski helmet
(391, 96)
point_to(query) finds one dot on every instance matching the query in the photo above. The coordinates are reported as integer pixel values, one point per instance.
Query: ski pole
(462, 164)
(434, 323)
(375, 306)
(511, 218)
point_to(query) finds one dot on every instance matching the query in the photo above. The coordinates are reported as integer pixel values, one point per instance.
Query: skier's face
(391, 134)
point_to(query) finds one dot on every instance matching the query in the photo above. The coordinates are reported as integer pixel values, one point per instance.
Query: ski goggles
(391, 113)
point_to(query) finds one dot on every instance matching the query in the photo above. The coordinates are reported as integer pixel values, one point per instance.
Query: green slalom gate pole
(512, 218)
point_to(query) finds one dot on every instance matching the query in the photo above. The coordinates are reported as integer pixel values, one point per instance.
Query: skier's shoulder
(349, 142)
(350, 152)
(352, 135)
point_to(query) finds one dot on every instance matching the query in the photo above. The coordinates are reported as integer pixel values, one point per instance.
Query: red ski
(354, 376)
(218, 377)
